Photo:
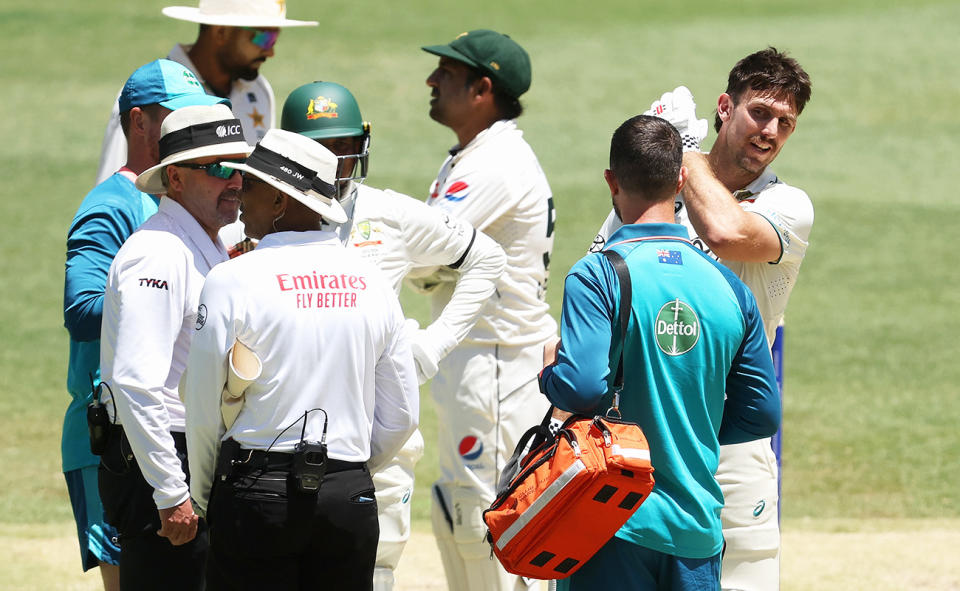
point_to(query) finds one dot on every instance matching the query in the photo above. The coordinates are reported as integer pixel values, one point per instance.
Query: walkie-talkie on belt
(310, 459)
(98, 421)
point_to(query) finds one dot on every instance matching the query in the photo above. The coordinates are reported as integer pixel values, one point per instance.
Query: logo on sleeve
(157, 283)
(677, 328)
(458, 191)
(669, 257)
(201, 316)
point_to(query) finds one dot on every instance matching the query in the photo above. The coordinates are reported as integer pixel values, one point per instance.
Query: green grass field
(871, 376)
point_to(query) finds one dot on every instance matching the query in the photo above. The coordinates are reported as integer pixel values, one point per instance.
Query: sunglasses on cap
(213, 169)
(263, 39)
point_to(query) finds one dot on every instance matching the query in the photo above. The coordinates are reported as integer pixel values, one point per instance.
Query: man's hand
(679, 110)
(178, 524)
(550, 351)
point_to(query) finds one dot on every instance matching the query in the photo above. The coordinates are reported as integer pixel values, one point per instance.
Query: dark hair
(508, 106)
(150, 110)
(645, 157)
(768, 71)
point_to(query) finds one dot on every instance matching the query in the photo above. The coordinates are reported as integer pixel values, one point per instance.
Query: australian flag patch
(669, 257)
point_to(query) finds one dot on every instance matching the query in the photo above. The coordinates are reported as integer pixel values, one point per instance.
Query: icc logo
(470, 448)
(224, 130)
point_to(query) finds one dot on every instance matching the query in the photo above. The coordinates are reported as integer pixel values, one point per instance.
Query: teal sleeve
(578, 380)
(752, 407)
(94, 239)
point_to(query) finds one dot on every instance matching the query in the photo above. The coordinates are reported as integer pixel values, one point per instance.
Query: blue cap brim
(191, 100)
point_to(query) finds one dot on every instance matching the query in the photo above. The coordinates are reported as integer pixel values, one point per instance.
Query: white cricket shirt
(328, 330)
(397, 233)
(496, 184)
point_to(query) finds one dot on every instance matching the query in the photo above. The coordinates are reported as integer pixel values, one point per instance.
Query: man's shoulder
(778, 192)
(156, 238)
(115, 192)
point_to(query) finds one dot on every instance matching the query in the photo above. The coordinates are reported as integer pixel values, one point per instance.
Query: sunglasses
(214, 169)
(263, 39)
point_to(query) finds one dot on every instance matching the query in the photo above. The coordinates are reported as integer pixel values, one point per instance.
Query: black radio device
(98, 421)
(310, 459)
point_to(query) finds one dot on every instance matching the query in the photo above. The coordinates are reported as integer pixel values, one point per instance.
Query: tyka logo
(158, 283)
(677, 328)
(201, 316)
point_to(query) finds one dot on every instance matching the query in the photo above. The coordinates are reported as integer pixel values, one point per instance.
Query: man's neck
(470, 130)
(642, 212)
(204, 60)
(728, 172)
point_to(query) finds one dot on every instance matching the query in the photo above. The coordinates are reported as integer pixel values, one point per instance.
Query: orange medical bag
(560, 502)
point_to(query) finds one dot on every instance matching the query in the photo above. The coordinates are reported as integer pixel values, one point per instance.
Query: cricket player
(336, 371)
(740, 212)
(398, 234)
(235, 38)
(150, 310)
(485, 390)
(108, 215)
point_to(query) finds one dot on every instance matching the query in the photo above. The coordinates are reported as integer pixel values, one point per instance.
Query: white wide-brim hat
(194, 132)
(298, 166)
(237, 13)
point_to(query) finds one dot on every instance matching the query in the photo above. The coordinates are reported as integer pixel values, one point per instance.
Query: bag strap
(626, 295)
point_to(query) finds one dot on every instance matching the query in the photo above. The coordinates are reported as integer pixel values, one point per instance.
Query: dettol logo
(677, 328)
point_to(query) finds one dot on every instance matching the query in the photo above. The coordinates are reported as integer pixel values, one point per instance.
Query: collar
(767, 178)
(498, 127)
(349, 205)
(631, 232)
(279, 239)
(212, 252)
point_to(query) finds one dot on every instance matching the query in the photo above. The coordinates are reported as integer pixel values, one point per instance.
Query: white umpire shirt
(252, 102)
(328, 329)
(149, 314)
(790, 212)
(496, 184)
(398, 233)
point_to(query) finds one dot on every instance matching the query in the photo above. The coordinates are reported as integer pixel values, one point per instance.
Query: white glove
(425, 357)
(428, 346)
(679, 110)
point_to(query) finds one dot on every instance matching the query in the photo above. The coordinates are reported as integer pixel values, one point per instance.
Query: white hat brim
(193, 14)
(328, 207)
(150, 181)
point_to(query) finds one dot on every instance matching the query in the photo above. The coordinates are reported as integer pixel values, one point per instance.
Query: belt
(258, 459)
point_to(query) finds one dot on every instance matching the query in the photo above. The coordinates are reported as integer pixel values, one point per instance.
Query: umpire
(330, 386)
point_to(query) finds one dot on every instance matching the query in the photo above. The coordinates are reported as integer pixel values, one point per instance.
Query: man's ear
(220, 34)
(611, 182)
(174, 179)
(725, 107)
(482, 86)
(138, 121)
(682, 179)
(279, 205)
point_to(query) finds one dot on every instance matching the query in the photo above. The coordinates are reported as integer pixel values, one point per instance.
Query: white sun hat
(237, 13)
(298, 166)
(194, 132)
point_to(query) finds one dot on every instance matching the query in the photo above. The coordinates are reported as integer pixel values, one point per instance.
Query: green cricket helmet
(325, 110)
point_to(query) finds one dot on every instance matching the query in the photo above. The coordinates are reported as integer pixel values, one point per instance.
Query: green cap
(321, 110)
(496, 54)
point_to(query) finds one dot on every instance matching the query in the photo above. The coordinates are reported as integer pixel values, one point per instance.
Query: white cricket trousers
(487, 396)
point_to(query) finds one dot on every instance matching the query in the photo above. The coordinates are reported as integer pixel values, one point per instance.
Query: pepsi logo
(470, 448)
(458, 191)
